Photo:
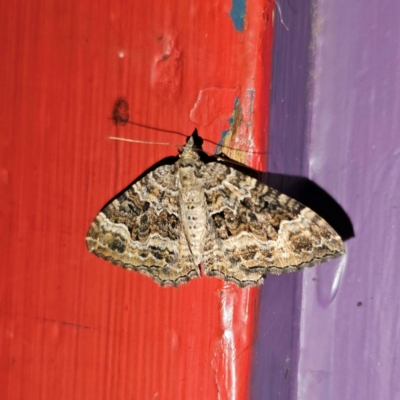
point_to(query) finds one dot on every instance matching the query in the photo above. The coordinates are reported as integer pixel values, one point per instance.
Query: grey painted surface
(339, 325)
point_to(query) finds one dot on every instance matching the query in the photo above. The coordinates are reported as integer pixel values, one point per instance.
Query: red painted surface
(74, 326)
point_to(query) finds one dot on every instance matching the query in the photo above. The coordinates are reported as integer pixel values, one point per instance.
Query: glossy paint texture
(74, 326)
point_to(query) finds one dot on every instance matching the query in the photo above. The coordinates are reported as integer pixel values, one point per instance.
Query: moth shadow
(306, 192)
(314, 197)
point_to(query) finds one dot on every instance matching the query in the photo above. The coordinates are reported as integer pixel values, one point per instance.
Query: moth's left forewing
(142, 230)
(263, 229)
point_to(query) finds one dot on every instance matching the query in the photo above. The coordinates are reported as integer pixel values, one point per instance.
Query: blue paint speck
(230, 120)
(238, 12)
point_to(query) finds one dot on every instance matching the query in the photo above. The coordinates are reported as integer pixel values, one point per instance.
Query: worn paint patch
(166, 76)
(213, 106)
(239, 134)
(238, 14)
(233, 122)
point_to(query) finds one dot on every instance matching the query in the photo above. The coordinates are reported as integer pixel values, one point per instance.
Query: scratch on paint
(78, 326)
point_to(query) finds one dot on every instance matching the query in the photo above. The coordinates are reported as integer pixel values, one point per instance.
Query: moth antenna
(138, 141)
(154, 128)
(180, 147)
(240, 150)
(234, 148)
(234, 162)
(221, 159)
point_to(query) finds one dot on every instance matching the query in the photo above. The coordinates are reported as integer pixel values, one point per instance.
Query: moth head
(189, 153)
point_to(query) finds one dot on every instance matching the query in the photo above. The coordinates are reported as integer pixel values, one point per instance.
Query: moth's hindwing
(262, 230)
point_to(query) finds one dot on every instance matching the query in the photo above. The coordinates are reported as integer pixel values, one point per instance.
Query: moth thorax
(187, 177)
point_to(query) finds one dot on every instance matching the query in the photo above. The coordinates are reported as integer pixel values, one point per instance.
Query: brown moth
(189, 218)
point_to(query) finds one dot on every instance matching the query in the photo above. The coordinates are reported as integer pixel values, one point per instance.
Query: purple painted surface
(347, 351)
(343, 338)
(276, 349)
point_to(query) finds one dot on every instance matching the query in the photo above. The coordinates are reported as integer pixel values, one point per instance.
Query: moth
(192, 218)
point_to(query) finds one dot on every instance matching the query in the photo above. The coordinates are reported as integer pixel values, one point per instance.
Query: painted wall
(72, 325)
